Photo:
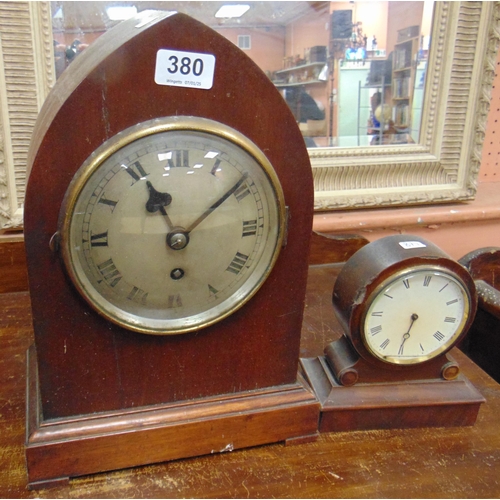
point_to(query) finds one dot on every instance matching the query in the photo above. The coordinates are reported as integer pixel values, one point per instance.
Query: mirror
(345, 88)
(388, 94)
(443, 165)
(439, 164)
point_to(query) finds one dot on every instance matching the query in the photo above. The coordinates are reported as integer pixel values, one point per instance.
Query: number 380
(185, 66)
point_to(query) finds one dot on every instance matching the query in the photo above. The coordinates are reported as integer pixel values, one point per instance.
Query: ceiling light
(120, 13)
(231, 11)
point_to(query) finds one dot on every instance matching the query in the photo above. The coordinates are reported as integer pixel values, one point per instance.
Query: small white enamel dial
(416, 315)
(172, 225)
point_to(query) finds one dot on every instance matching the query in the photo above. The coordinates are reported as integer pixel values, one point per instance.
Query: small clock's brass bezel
(414, 360)
(126, 137)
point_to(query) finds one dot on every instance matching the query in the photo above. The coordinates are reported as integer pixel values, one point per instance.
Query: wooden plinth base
(391, 405)
(85, 444)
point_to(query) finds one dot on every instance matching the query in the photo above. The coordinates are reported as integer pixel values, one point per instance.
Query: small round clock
(172, 225)
(403, 302)
(415, 315)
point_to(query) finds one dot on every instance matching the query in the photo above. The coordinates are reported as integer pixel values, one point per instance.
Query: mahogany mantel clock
(403, 304)
(169, 205)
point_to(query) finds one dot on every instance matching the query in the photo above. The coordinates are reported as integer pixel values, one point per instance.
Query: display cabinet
(403, 81)
(304, 74)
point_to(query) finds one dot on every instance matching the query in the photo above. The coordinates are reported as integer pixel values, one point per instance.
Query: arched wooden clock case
(101, 396)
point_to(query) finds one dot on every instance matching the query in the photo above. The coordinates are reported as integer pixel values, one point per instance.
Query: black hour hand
(157, 201)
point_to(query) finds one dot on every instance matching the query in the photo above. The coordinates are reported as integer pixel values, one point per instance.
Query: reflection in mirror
(353, 73)
(381, 73)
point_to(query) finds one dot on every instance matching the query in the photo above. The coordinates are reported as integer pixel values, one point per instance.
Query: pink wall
(402, 15)
(267, 45)
(490, 160)
(372, 15)
(308, 31)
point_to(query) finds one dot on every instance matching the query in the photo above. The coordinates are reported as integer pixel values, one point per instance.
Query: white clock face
(173, 228)
(416, 316)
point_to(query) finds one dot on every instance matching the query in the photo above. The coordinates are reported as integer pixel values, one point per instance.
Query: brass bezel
(128, 136)
(397, 276)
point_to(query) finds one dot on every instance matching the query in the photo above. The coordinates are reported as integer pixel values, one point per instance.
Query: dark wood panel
(329, 248)
(13, 274)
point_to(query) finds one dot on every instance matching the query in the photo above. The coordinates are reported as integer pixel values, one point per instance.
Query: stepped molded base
(391, 405)
(85, 444)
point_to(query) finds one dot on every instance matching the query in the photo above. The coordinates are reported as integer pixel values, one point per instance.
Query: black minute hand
(218, 203)
(406, 336)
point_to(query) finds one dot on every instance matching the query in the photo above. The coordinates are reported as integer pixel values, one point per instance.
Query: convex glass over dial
(416, 315)
(172, 225)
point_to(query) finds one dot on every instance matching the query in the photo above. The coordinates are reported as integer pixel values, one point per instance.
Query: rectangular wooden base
(395, 405)
(85, 444)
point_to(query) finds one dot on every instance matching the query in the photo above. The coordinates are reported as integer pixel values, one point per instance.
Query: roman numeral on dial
(249, 228)
(174, 301)
(237, 263)
(216, 166)
(136, 172)
(241, 192)
(99, 240)
(438, 336)
(109, 272)
(180, 158)
(138, 295)
(105, 201)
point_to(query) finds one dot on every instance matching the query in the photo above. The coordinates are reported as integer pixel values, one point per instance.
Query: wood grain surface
(253, 348)
(425, 463)
(13, 274)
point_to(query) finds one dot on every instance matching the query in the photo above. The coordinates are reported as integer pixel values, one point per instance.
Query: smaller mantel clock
(403, 304)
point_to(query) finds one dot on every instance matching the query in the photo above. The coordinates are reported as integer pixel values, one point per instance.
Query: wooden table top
(424, 463)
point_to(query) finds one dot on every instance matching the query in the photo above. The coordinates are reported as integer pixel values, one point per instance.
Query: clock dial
(172, 225)
(415, 316)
